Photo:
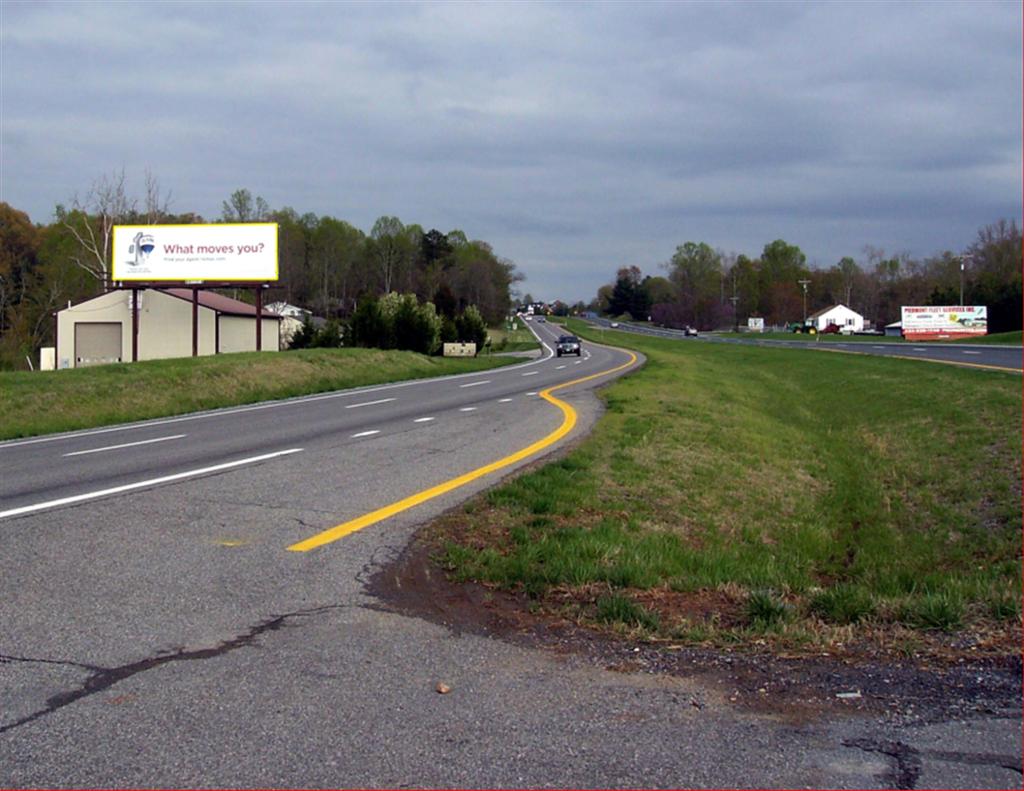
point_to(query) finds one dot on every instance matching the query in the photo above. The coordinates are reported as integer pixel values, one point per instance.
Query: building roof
(219, 303)
(285, 309)
(821, 313)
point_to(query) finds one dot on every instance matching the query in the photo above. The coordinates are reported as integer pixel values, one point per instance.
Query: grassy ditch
(51, 401)
(738, 495)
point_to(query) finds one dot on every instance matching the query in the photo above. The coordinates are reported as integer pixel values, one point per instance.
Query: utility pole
(805, 283)
(963, 259)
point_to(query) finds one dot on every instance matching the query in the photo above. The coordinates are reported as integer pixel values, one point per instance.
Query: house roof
(821, 313)
(219, 303)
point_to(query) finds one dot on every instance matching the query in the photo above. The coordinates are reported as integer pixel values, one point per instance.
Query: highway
(1007, 358)
(44, 473)
(179, 609)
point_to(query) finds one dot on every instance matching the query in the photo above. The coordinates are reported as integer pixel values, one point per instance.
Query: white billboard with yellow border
(245, 252)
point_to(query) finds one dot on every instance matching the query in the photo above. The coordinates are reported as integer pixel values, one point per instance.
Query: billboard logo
(140, 248)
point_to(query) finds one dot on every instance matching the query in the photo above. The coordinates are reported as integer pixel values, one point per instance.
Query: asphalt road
(163, 635)
(973, 355)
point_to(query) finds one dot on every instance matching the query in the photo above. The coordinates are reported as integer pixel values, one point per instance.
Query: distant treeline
(326, 265)
(708, 289)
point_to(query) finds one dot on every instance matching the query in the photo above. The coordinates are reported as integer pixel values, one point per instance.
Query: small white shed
(99, 330)
(848, 320)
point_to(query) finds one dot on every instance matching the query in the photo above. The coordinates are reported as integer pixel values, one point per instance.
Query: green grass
(518, 339)
(51, 401)
(615, 608)
(824, 491)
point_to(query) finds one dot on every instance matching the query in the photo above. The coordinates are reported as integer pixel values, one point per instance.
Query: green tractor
(800, 327)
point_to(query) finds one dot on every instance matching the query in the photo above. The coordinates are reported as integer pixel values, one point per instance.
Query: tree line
(709, 289)
(326, 265)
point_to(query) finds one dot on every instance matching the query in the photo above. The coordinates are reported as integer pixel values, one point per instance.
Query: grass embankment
(51, 401)
(518, 339)
(733, 495)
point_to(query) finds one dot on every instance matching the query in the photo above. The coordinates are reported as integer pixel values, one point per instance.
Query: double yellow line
(568, 422)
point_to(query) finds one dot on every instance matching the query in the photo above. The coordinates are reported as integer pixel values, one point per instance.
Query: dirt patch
(795, 688)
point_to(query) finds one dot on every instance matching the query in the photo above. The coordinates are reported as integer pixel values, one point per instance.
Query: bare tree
(158, 203)
(91, 222)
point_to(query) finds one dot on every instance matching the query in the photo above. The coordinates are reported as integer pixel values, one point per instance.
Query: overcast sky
(574, 137)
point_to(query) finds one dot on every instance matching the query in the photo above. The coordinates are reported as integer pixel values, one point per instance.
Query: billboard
(176, 253)
(755, 324)
(944, 322)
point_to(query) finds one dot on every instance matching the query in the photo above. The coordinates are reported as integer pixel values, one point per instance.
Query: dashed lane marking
(123, 445)
(370, 403)
(397, 507)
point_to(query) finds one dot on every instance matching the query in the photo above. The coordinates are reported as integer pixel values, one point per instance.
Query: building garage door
(97, 343)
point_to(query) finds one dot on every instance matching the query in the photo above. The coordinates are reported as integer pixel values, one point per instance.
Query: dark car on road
(568, 344)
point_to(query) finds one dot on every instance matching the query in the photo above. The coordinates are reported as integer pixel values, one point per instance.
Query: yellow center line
(568, 422)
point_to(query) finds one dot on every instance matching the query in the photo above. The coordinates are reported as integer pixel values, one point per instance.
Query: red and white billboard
(947, 322)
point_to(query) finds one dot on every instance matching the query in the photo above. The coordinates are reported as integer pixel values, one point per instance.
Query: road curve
(50, 472)
(162, 635)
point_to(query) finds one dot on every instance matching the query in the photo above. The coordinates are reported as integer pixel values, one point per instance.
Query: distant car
(690, 332)
(568, 344)
(615, 325)
(540, 319)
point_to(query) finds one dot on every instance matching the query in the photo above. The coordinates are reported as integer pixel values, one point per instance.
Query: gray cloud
(575, 138)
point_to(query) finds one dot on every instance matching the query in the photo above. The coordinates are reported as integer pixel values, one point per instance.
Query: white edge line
(78, 498)
(474, 384)
(124, 445)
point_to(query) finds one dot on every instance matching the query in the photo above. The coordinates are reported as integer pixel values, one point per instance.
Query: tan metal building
(99, 330)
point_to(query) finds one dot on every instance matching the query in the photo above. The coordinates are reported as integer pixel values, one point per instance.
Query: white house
(848, 320)
(292, 319)
(100, 329)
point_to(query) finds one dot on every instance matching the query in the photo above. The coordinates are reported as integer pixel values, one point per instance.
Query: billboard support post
(135, 325)
(195, 321)
(259, 318)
